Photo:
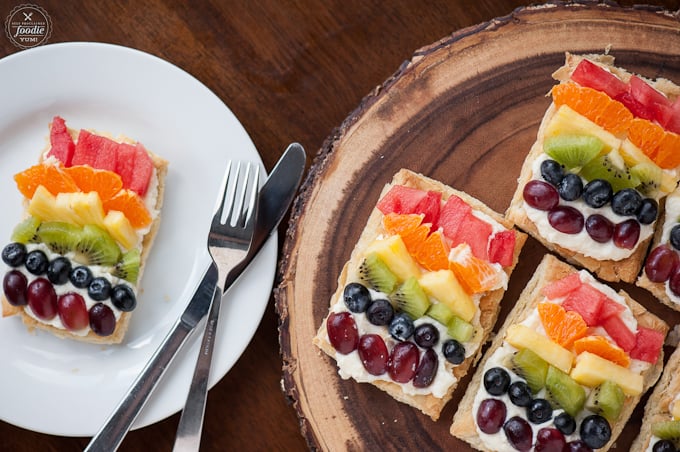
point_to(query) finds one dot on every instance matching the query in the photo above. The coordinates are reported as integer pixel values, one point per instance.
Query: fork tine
(229, 183)
(254, 193)
(243, 209)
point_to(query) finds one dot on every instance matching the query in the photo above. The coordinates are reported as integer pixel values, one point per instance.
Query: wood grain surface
(290, 70)
(464, 110)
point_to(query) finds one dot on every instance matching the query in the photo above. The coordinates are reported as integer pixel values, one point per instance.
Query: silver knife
(119, 422)
(275, 197)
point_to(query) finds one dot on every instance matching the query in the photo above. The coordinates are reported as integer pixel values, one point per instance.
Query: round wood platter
(465, 111)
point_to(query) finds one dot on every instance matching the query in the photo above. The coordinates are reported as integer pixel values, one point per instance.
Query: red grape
(577, 446)
(72, 311)
(14, 285)
(426, 370)
(342, 332)
(626, 234)
(674, 283)
(566, 219)
(491, 415)
(599, 228)
(540, 195)
(373, 354)
(549, 440)
(403, 362)
(661, 263)
(42, 299)
(518, 432)
(102, 319)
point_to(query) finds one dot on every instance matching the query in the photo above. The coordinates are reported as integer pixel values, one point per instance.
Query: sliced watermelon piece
(610, 308)
(587, 301)
(401, 199)
(652, 102)
(593, 76)
(430, 206)
(502, 248)
(107, 155)
(618, 330)
(648, 344)
(89, 146)
(452, 215)
(143, 170)
(475, 232)
(61, 142)
(125, 163)
(562, 287)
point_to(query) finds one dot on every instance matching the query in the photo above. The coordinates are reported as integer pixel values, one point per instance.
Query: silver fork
(231, 232)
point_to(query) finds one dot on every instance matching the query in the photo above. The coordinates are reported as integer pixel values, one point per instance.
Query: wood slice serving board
(465, 111)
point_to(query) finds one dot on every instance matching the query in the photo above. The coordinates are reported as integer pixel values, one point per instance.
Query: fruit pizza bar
(604, 158)
(421, 291)
(92, 211)
(567, 368)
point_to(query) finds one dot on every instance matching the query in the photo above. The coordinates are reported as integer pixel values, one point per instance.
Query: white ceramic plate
(68, 388)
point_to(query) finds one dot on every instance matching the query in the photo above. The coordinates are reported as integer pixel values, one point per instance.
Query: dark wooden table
(290, 71)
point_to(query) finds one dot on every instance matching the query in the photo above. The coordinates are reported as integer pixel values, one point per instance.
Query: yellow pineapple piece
(567, 121)
(521, 336)
(43, 205)
(591, 370)
(87, 207)
(445, 288)
(120, 229)
(394, 254)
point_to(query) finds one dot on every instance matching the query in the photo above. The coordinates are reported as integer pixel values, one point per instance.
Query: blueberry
(357, 297)
(401, 327)
(81, 277)
(664, 445)
(626, 202)
(426, 335)
(571, 187)
(453, 351)
(58, 270)
(675, 236)
(123, 297)
(539, 411)
(496, 381)
(565, 423)
(14, 254)
(595, 431)
(380, 312)
(36, 262)
(520, 393)
(649, 209)
(99, 289)
(597, 193)
(552, 171)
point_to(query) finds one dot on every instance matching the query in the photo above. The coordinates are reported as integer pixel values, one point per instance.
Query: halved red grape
(674, 282)
(549, 440)
(599, 228)
(373, 354)
(540, 195)
(403, 362)
(626, 234)
(42, 299)
(577, 446)
(566, 219)
(661, 263)
(14, 285)
(426, 370)
(72, 311)
(102, 319)
(342, 332)
(519, 433)
(491, 415)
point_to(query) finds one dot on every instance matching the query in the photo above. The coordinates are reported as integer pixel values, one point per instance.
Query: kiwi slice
(528, 365)
(127, 267)
(649, 176)
(573, 151)
(59, 236)
(96, 247)
(607, 400)
(609, 168)
(669, 430)
(459, 329)
(411, 299)
(375, 273)
(440, 312)
(564, 392)
(25, 232)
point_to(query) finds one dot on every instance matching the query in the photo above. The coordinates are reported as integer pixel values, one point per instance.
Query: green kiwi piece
(573, 151)
(607, 400)
(127, 267)
(96, 247)
(411, 298)
(459, 329)
(528, 365)
(59, 236)
(440, 312)
(25, 232)
(604, 167)
(649, 176)
(377, 275)
(563, 391)
(669, 430)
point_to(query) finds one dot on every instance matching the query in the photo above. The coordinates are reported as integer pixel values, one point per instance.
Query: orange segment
(433, 253)
(52, 177)
(132, 206)
(106, 183)
(409, 227)
(601, 346)
(595, 105)
(563, 327)
(658, 144)
(475, 274)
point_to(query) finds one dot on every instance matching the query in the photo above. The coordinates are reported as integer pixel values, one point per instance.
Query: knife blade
(275, 198)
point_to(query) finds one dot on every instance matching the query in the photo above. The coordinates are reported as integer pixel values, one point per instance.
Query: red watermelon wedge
(89, 146)
(61, 143)
(125, 164)
(143, 169)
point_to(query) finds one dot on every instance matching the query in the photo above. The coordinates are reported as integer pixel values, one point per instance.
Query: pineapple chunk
(43, 205)
(445, 288)
(521, 336)
(567, 121)
(591, 370)
(394, 254)
(87, 207)
(120, 229)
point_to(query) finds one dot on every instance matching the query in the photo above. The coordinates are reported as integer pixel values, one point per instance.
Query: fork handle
(191, 421)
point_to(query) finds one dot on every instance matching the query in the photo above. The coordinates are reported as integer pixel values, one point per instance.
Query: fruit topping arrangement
(563, 375)
(413, 302)
(73, 263)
